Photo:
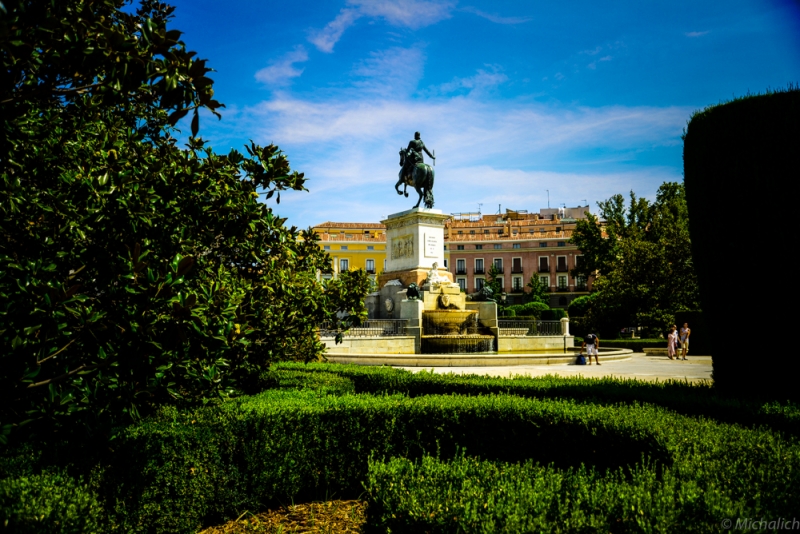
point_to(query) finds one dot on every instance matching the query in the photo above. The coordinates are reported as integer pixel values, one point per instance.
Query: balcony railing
(461, 271)
(516, 270)
(544, 269)
(498, 270)
(511, 327)
(582, 287)
(479, 271)
(562, 268)
(370, 271)
(562, 289)
(371, 328)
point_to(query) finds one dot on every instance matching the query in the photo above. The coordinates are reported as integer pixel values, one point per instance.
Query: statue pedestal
(414, 242)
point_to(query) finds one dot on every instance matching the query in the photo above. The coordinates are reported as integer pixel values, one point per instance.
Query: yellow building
(354, 246)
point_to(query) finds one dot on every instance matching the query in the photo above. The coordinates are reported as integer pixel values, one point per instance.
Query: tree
(134, 272)
(494, 281)
(538, 292)
(642, 260)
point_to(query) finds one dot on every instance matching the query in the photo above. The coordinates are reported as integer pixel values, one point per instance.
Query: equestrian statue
(415, 172)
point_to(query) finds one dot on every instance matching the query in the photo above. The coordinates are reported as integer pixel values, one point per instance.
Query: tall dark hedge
(740, 159)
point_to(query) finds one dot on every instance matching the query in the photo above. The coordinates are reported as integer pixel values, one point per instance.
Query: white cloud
(395, 71)
(326, 38)
(479, 83)
(283, 70)
(409, 13)
(497, 19)
(696, 34)
(558, 76)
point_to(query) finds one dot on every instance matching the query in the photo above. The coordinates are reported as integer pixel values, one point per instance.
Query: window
(472, 232)
(545, 281)
(370, 247)
(445, 247)
(578, 260)
(516, 245)
(344, 247)
(371, 266)
(461, 266)
(479, 281)
(478, 247)
(445, 264)
(499, 231)
(542, 230)
(498, 245)
(580, 283)
(326, 276)
(462, 283)
(561, 264)
(516, 283)
(486, 231)
(562, 281)
(516, 265)
(327, 247)
(384, 265)
(544, 264)
(344, 265)
(479, 266)
(543, 244)
(562, 243)
(558, 228)
(459, 232)
(498, 264)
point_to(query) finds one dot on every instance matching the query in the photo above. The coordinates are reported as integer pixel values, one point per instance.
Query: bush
(751, 140)
(50, 503)
(530, 309)
(580, 306)
(187, 470)
(553, 315)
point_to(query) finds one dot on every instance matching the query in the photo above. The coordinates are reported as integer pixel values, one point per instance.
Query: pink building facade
(520, 245)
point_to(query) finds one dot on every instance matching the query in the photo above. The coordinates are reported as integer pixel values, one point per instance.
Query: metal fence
(510, 327)
(370, 328)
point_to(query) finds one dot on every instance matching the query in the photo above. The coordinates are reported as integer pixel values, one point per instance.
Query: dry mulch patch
(345, 517)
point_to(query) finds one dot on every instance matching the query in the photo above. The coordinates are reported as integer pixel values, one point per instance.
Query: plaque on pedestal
(414, 242)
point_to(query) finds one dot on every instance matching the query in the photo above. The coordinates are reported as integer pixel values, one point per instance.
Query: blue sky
(585, 98)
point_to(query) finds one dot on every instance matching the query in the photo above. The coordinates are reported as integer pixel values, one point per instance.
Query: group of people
(678, 340)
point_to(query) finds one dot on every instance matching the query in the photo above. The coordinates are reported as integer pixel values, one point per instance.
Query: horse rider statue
(415, 172)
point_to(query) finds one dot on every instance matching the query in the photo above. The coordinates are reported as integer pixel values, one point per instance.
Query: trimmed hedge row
(683, 397)
(183, 471)
(49, 503)
(469, 495)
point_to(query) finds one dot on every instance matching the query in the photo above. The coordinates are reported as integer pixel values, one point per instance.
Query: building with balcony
(519, 245)
(354, 246)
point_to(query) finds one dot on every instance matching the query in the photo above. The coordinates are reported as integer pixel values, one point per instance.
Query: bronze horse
(419, 175)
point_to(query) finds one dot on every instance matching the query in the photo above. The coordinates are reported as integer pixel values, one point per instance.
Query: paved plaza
(638, 366)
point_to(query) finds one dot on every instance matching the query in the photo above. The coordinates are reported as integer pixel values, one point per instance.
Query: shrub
(580, 306)
(555, 314)
(186, 470)
(530, 309)
(50, 503)
(751, 140)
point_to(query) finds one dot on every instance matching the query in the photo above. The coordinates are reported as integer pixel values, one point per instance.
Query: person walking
(591, 343)
(672, 341)
(684, 337)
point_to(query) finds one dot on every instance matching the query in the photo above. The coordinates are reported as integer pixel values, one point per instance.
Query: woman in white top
(684, 336)
(672, 339)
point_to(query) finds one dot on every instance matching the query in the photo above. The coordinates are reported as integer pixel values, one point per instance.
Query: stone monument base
(408, 276)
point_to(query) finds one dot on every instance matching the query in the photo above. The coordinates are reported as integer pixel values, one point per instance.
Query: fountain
(434, 324)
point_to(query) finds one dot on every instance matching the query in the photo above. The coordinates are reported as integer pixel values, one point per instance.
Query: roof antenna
(479, 207)
(548, 198)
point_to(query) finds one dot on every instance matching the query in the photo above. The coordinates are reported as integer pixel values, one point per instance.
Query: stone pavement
(638, 366)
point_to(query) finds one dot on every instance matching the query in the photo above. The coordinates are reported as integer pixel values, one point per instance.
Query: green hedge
(49, 503)
(188, 470)
(731, 152)
(469, 495)
(683, 397)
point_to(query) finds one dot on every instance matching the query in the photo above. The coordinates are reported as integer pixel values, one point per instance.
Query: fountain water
(448, 328)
